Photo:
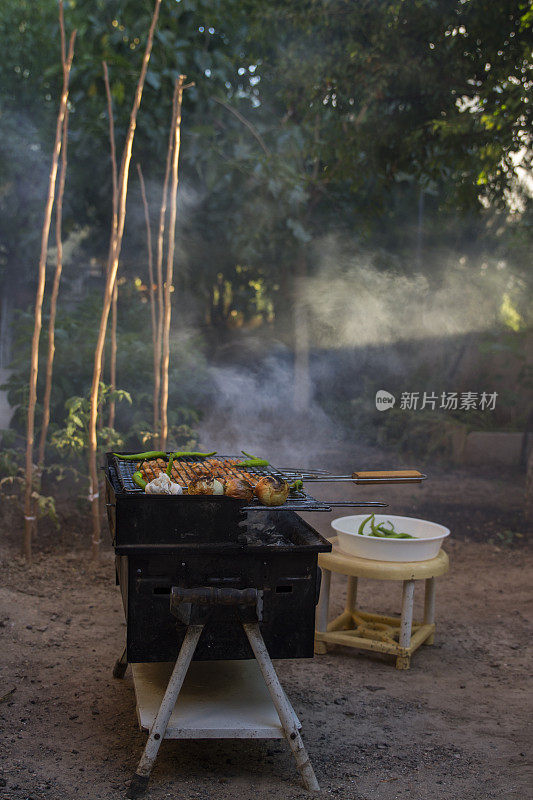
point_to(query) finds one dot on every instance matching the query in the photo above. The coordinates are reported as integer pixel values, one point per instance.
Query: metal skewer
(300, 471)
(366, 477)
(320, 505)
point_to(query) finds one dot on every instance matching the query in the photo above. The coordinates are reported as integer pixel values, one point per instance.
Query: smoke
(354, 304)
(252, 408)
(364, 324)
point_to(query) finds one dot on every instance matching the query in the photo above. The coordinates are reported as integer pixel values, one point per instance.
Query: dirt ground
(454, 726)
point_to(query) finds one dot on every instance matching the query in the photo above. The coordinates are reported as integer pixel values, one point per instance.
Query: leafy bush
(74, 437)
(189, 386)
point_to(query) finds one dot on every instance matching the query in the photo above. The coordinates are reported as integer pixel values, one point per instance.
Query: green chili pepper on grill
(170, 463)
(160, 454)
(190, 454)
(252, 462)
(139, 480)
(259, 462)
(297, 486)
(142, 456)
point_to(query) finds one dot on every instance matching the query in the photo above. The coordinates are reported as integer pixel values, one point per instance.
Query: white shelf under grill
(218, 700)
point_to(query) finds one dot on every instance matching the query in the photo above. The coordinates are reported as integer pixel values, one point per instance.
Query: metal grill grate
(297, 501)
(189, 466)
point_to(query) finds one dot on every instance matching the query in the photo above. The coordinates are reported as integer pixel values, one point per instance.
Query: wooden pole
(55, 293)
(29, 515)
(170, 265)
(113, 354)
(110, 284)
(528, 507)
(159, 268)
(113, 154)
(151, 281)
(114, 225)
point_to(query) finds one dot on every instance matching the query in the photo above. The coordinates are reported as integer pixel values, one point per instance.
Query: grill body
(164, 541)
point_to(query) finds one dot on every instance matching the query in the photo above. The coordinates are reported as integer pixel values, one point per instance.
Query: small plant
(507, 538)
(74, 437)
(12, 491)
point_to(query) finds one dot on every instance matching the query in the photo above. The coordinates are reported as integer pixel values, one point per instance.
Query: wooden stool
(354, 628)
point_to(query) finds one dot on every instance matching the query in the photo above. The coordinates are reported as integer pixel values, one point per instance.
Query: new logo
(384, 400)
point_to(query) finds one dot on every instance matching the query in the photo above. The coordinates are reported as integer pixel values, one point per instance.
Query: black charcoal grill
(164, 541)
(211, 578)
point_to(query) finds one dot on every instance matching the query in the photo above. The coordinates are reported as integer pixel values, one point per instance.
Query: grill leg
(140, 779)
(121, 665)
(322, 610)
(283, 707)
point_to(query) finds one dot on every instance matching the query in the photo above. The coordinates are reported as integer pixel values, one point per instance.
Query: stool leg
(403, 662)
(322, 610)
(351, 593)
(429, 607)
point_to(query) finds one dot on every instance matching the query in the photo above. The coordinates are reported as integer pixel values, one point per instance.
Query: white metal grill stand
(193, 607)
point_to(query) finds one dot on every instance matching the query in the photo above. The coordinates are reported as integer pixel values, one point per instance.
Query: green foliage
(306, 118)
(242, 296)
(303, 115)
(10, 461)
(46, 507)
(359, 101)
(507, 538)
(12, 490)
(424, 435)
(74, 437)
(189, 384)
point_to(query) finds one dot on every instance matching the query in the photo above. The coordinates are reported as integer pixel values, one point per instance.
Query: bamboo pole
(113, 355)
(29, 516)
(528, 506)
(150, 278)
(114, 225)
(55, 293)
(113, 154)
(170, 264)
(110, 283)
(159, 268)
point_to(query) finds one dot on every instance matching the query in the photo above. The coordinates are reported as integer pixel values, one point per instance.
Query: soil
(453, 726)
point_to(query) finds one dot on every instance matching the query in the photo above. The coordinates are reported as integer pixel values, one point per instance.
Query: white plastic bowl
(426, 545)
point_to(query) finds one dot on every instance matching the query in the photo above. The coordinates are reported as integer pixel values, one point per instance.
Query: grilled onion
(271, 491)
(205, 484)
(238, 489)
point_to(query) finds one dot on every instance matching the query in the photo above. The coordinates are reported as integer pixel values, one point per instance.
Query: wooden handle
(391, 476)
